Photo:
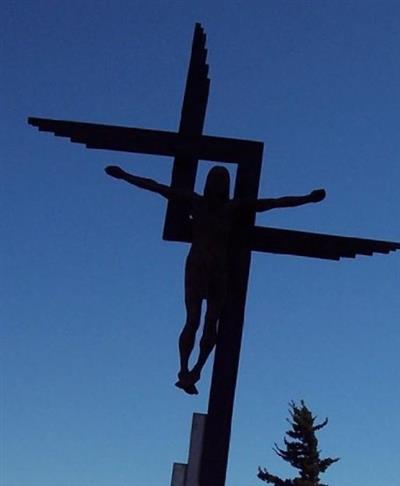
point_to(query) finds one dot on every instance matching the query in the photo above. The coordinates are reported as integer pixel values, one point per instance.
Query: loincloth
(205, 278)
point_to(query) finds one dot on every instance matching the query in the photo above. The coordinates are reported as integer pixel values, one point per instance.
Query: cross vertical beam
(226, 362)
(193, 114)
(177, 226)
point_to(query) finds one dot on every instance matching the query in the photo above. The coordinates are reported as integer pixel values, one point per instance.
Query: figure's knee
(190, 329)
(209, 331)
(193, 315)
(212, 316)
(213, 311)
(192, 322)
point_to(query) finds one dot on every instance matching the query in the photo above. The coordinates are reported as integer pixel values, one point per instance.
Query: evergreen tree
(302, 452)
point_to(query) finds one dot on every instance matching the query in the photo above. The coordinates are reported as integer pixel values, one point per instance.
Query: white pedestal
(188, 474)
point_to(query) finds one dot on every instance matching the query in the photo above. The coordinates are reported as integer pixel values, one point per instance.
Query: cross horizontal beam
(316, 245)
(153, 142)
(221, 149)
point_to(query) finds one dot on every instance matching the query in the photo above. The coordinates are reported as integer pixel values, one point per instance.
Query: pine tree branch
(321, 425)
(264, 475)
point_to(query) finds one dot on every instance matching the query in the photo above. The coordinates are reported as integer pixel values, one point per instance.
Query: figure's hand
(317, 195)
(114, 171)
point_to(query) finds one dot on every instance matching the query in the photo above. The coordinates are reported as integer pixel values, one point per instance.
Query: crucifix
(185, 209)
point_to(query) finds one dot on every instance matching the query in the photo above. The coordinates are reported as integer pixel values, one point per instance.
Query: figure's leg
(194, 291)
(186, 344)
(188, 334)
(209, 337)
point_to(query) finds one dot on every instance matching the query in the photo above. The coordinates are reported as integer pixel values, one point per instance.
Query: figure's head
(217, 183)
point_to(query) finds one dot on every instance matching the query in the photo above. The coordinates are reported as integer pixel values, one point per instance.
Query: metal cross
(188, 145)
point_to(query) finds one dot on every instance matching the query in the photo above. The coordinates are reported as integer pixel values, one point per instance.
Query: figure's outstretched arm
(260, 205)
(289, 201)
(148, 184)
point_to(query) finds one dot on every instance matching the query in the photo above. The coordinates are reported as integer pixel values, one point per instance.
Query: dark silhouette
(206, 270)
(302, 453)
(188, 145)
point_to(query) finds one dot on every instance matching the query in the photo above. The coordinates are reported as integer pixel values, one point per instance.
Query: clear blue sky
(93, 300)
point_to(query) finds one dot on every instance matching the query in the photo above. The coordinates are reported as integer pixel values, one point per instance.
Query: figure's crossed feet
(188, 388)
(194, 375)
(186, 383)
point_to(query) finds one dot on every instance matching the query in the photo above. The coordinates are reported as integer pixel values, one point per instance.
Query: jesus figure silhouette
(206, 270)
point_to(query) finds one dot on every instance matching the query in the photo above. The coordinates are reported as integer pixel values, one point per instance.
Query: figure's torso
(212, 224)
(206, 264)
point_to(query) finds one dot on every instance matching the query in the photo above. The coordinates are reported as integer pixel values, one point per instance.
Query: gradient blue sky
(93, 300)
